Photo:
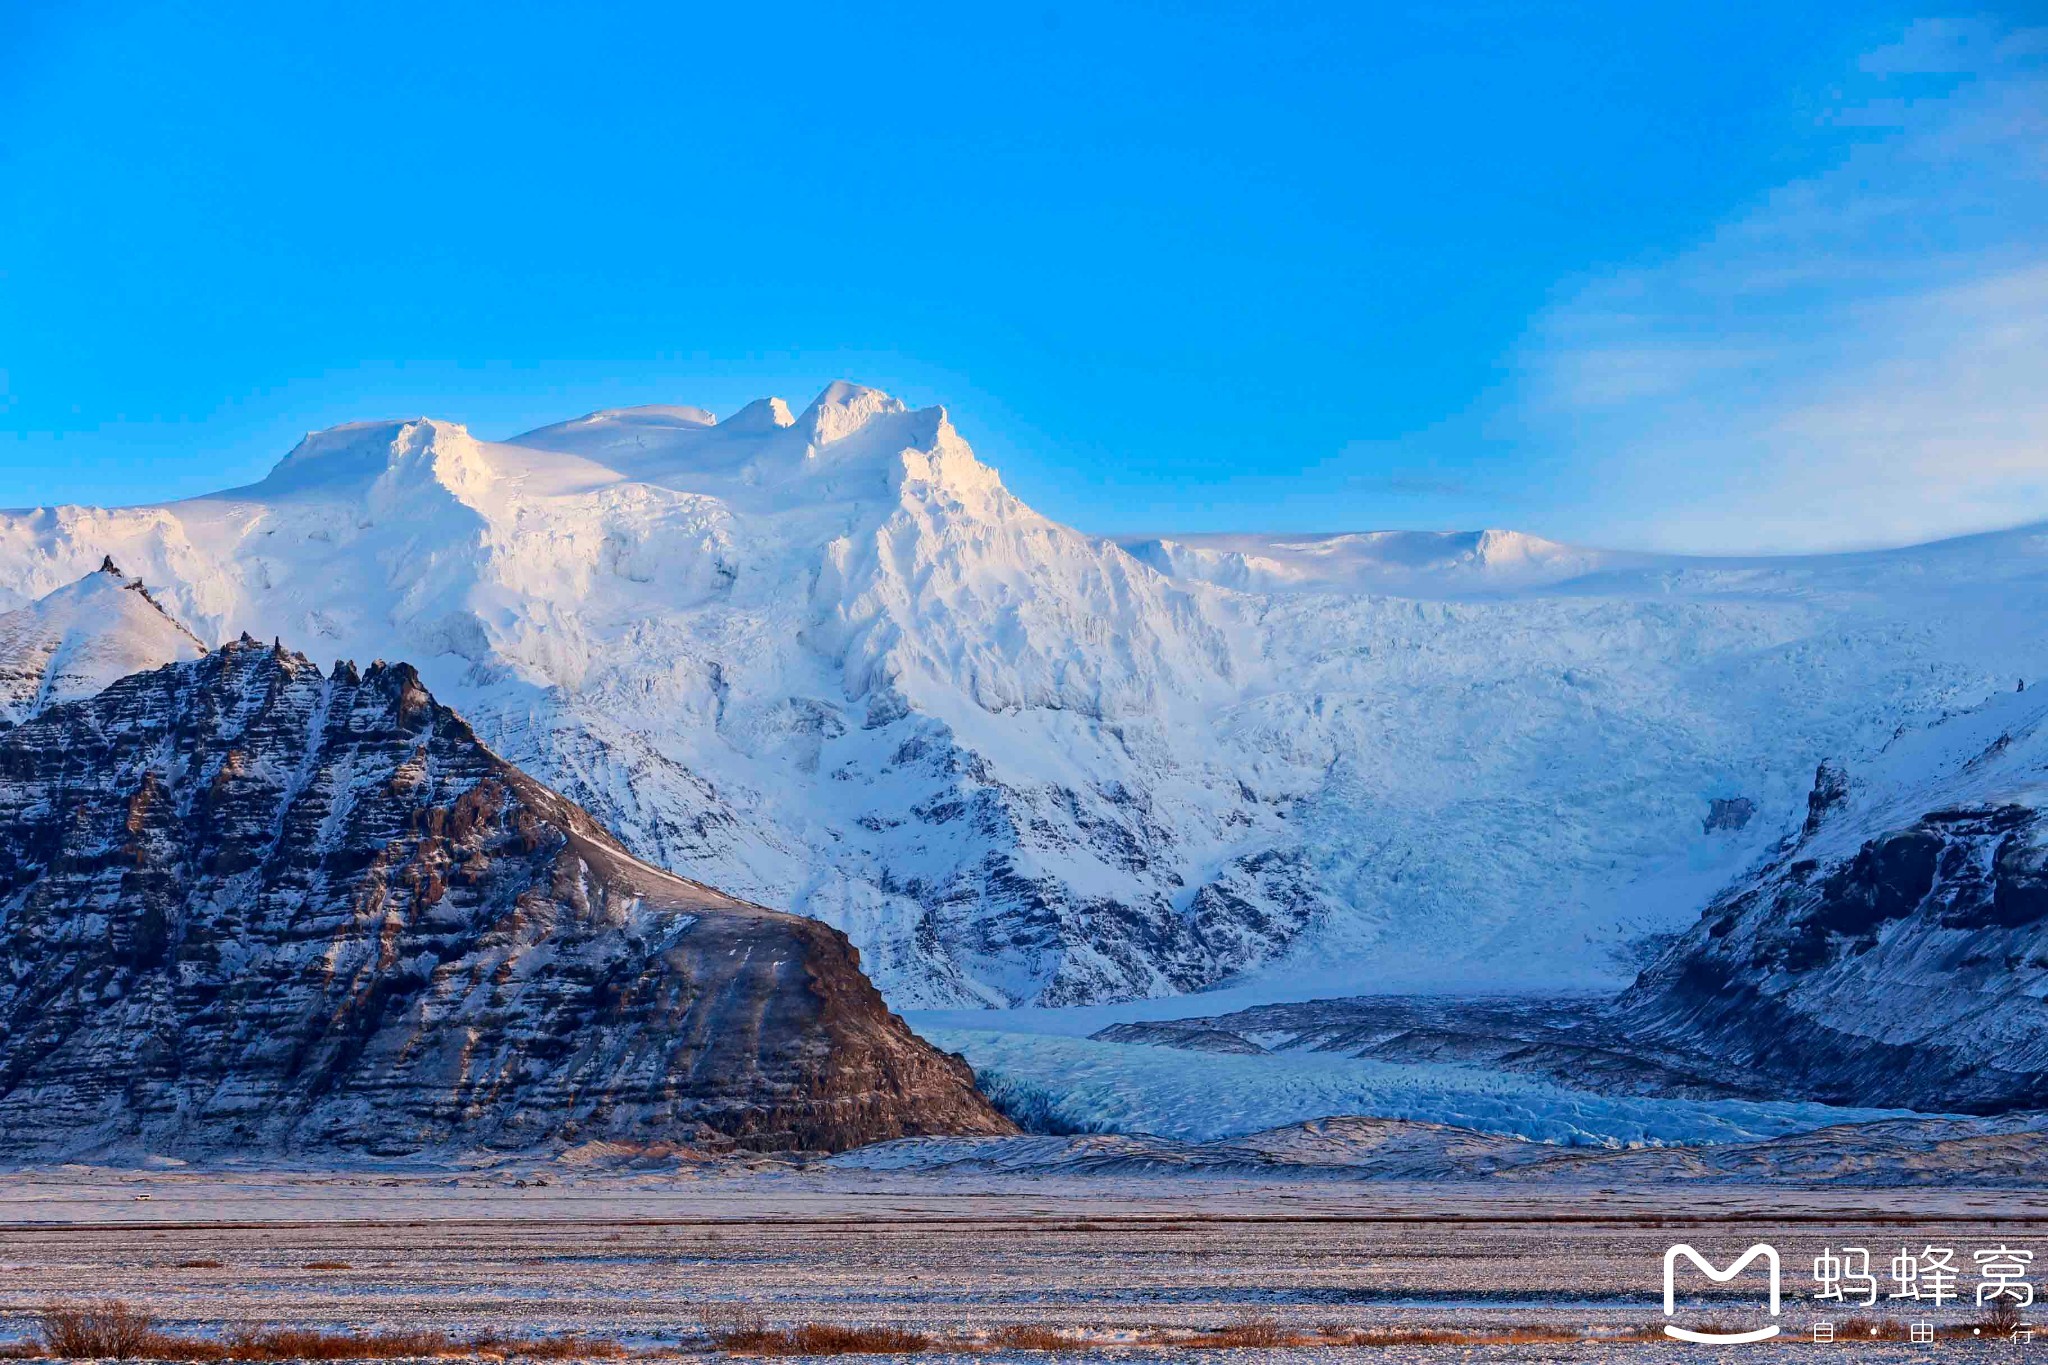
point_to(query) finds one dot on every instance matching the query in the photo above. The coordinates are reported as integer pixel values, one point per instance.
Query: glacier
(825, 660)
(1082, 1085)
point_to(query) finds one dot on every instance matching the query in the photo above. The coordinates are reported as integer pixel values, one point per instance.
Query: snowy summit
(822, 658)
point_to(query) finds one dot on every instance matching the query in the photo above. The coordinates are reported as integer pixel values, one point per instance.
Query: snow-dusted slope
(825, 660)
(1897, 949)
(249, 907)
(75, 640)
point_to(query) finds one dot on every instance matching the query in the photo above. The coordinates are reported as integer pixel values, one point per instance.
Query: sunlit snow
(825, 660)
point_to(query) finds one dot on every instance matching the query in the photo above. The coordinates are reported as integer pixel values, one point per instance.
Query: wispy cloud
(1860, 358)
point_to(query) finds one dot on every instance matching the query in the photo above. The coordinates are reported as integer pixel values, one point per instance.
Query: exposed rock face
(1895, 951)
(1729, 813)
(245, 904)
(1574, 1041)
(1830, 790)
(1907, 973)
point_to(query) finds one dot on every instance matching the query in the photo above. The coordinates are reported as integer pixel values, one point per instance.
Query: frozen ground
(639, 1256)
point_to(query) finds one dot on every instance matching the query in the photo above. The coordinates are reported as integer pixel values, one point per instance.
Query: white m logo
(1735, 1267)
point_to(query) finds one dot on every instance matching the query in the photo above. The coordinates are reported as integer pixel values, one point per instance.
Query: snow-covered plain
(825, 660)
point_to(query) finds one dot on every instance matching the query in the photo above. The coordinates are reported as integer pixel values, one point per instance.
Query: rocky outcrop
(1728, 813)
(1908, 972)
(1830, 790)
(1892, 952)
(1574, 1041)
(245, 904)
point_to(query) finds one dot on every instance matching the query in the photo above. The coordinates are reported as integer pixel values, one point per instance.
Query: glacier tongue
(1079, 1085)
(827, 661)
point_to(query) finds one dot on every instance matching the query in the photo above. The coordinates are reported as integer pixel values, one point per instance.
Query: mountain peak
(763, 414)
(357, 453)
(72, 642)
(440, 865)
(844, 408)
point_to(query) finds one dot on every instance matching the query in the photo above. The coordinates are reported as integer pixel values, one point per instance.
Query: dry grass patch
(285, 1343)
(1251, 1333)
(825, 1339)
(571, 1347)
(295, 1343)
(722, 1320)
(119, 1331)
(110, 1331)
(1500, 1336)
(1019, 1337)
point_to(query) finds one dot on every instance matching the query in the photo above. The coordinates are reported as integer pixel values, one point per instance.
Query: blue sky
(1708, 277)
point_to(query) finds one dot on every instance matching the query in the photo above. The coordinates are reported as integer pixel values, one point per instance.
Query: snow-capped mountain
(249, 905)
(827, 661)
(75, 640)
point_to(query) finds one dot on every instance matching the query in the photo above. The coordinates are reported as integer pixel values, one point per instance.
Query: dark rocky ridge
(1908, 973)
(1575, 1041)
(245, 904)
